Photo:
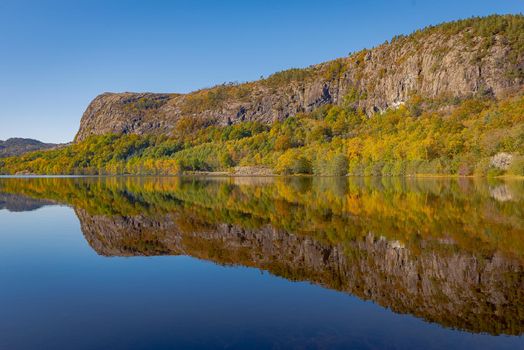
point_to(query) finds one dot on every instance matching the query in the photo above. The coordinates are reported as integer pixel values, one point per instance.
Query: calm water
(249, 263)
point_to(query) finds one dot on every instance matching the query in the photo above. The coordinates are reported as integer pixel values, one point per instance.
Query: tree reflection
(446, 250)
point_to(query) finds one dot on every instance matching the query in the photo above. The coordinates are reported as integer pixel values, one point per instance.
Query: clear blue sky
(56, 55)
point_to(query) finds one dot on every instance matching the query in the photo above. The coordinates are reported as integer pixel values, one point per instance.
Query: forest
(479, 135)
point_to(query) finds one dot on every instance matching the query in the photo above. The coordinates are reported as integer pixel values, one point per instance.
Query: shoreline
(232, 175)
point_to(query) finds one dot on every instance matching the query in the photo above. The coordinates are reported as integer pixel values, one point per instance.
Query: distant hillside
(19, 146)
(456, 59)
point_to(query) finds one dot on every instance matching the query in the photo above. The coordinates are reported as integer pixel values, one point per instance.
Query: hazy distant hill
(18, 146)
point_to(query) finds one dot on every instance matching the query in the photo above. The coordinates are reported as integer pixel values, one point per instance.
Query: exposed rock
(501, 160)
(436, 62)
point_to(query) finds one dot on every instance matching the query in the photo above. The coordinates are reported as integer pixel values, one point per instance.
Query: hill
(457, 59)
(19, 146)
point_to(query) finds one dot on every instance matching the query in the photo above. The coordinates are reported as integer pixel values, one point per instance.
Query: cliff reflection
(448, 251)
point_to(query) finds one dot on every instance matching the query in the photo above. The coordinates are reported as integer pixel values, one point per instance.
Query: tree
(339, 165)
(282, 143)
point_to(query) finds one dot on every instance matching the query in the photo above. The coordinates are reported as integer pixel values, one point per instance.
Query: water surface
(197, 263)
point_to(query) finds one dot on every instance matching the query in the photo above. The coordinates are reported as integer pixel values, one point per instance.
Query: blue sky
(55, 56)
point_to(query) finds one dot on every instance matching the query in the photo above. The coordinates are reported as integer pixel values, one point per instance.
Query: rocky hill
(453, 60)
(19, 146)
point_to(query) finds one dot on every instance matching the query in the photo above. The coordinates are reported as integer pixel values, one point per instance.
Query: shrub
(387, 169)
(355, 167)
(226, 161)
(292, 162)
(517, 166)
(482, 167)
(339, 165)
(374, 169)
(398, 168)
(301, 165)
(282, 143)
(492, 172)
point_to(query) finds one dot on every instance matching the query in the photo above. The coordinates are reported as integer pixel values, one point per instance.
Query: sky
(57, 55)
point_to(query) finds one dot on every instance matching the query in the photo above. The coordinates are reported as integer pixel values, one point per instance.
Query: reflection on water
(446, 251)
(16, 203)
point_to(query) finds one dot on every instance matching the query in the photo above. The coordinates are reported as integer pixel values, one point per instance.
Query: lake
(261, 263)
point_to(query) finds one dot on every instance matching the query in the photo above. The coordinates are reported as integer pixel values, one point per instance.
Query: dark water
(249, 263)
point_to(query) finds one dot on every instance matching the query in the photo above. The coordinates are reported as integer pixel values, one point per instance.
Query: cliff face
(459, 59)
(448, 286)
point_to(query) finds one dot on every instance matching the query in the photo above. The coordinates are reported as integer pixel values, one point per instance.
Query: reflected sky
(57, 292)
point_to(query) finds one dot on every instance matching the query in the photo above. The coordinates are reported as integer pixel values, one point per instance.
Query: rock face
(19, 146)
(453, 288)
(459, 59)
